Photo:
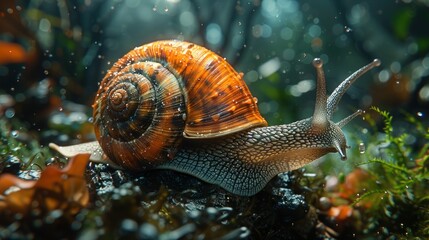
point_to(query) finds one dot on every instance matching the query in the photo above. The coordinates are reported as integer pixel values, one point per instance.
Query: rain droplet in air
(9, 113)
(362, 148)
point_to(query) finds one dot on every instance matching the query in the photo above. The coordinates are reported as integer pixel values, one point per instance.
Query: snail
(176, 105)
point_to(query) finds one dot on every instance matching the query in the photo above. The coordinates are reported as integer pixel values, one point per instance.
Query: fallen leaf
(64, 189)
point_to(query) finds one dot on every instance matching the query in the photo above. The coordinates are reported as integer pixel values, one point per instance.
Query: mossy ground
(384, 196)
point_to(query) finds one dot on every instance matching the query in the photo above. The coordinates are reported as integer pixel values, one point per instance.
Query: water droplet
(60, 109)
(215, 95)
(361, 148)
(420, 114)
(232, 109)
(14, 134)
(347, 29)
(255, 99)
(216, 117)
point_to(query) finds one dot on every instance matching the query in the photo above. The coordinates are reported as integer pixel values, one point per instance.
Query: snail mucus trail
(176, 105)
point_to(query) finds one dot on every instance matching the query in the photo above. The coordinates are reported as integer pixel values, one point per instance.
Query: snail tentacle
(320, 119)
(336, 95)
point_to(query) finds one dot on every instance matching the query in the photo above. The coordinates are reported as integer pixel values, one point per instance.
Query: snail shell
(165, 91)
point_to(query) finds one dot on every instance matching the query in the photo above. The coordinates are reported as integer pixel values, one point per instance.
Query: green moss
(400, 202)
(17, 141)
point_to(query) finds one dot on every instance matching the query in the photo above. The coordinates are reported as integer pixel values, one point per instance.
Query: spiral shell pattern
(163, 91)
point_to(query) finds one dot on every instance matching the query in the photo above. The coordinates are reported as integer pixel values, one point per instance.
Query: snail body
(176, 105)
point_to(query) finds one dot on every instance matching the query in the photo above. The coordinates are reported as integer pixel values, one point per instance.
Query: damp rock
(100, 179)
(11, 164)
(283, 180)
(119, 178)
(288, 205)
(176, 182)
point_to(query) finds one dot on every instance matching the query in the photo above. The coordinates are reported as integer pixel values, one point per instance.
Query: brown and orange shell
(163, 91)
